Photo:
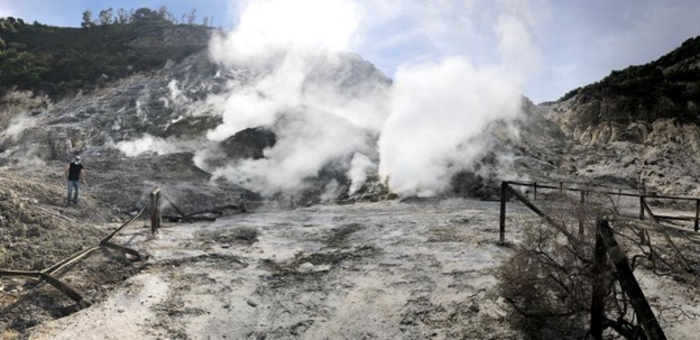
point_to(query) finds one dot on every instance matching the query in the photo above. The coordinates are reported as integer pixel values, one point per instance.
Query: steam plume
(304, 92)
(440, 109)
(437, 111)
(291, 73)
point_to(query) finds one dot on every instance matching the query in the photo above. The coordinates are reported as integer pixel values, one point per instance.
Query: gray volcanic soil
(390, 270)
(371, 270)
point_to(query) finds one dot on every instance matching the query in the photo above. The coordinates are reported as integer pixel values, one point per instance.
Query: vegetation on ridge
(666, 88)
(61, 60)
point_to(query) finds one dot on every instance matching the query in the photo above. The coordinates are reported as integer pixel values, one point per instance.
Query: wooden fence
(48, 275)
(584, 189)
(606, 246)
(155, 205)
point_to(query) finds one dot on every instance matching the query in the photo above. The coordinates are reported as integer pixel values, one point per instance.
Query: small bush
(549, 280)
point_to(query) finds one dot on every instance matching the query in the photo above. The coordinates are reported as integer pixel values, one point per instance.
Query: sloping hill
(668, 88)
(638, 126)
(61, 60)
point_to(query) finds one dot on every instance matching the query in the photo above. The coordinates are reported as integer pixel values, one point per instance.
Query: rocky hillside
(640, 124)
(142, 128)
(629, 101)
(150, 94)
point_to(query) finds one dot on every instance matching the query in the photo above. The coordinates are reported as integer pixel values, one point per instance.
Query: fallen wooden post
(70, 260)
(544, 216)
(598, 296)
(189, 219)
(646, 317)
(192, 217)
(174, 206)
(46, 274)
(122, 249)
(127, 223)
(70, 292)
(15, 273)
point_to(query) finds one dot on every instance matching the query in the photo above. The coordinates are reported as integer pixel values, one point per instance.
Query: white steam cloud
(440, 110)
(273, 28)
(360, 167)
(148, 143)
(437, 111)
(290, 71)
(17, 125)
(305, 92)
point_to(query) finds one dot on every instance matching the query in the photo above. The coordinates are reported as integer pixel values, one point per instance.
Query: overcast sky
(575, 42)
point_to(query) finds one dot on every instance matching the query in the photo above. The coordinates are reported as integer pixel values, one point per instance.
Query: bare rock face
(624, 105)
(639, 125)
(249, 143)
(474, 185)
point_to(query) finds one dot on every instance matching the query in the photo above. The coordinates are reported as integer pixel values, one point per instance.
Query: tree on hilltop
(87, 20)
(122, 17)
(106, 17)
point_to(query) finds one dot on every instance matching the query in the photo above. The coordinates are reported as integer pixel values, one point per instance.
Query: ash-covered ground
(385, 270)
(421, 269)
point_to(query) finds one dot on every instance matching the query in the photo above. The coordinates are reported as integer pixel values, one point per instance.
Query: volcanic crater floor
(412, 269)
(389, 270)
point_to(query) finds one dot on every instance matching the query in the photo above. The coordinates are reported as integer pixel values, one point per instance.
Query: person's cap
(77, 158)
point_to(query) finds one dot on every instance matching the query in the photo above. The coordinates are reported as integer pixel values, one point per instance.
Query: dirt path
(365, 271)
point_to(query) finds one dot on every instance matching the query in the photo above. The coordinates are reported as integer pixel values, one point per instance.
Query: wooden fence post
(697, 213)
(598, 298)
(502, 221)
(155, 211)
(642, 201)
(534, 198)
(581, 231)
(630, 286)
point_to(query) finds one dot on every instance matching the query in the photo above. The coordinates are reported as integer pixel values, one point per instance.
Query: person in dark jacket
(74, 175)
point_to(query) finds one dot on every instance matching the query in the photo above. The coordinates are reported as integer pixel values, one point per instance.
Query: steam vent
(350, 169)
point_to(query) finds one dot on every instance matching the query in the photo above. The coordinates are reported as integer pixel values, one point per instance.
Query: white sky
(579, 42)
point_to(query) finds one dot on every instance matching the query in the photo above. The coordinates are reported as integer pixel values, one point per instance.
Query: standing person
(74, 174)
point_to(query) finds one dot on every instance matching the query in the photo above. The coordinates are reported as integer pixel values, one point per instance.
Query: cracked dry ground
(411, 270)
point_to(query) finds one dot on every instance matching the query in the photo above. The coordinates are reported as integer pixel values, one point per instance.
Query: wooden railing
(48, 274)
(585, 189)
(607, 247)
(155, 210)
